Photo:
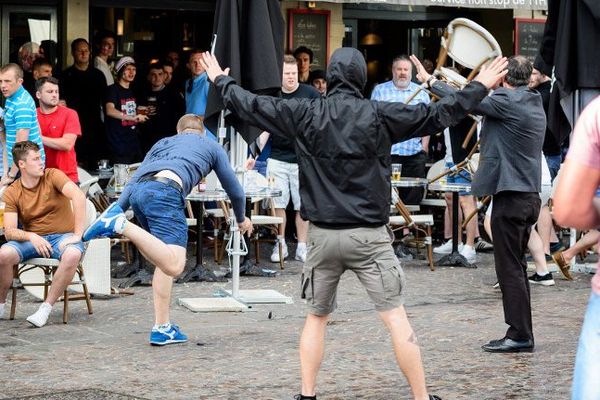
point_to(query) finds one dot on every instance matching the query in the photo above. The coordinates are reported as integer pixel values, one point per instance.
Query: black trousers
(513, 215)
(412, 166)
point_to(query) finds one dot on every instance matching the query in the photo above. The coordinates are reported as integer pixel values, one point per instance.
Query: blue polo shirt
(20, 113)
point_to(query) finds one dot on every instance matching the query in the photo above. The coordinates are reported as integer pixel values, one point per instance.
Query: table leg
(198, 272)
(455, 258)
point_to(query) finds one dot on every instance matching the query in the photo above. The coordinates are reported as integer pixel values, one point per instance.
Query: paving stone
(254, 354)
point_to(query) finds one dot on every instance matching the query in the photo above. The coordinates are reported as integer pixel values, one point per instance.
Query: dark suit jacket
(511, 137)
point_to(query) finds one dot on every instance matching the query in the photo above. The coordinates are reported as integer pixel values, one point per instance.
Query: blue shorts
(160, 209)
(462, 177)
(27, 251)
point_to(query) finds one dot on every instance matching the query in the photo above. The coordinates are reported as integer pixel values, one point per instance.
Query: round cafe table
(409, 182)
(198, 272)
(454, 258)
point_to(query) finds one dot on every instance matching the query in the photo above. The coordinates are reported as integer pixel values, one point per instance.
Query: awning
(496, 4)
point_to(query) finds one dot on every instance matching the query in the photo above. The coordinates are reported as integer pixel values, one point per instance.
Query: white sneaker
(469, 253)
(446, 248)
(275, 254)
(40, 317)
(301, 252)
(2, 309)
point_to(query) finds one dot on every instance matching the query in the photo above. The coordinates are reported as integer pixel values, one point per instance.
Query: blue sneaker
(109, 223)
(160, 337)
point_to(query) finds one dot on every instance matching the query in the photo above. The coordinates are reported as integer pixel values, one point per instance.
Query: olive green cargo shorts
(368, 252)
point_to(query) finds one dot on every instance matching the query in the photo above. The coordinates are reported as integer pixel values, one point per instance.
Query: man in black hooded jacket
(343, 144)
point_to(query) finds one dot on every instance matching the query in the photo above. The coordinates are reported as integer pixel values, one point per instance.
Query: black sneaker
(434, 397)
(482, 245)
(544, 280)
(300, 397)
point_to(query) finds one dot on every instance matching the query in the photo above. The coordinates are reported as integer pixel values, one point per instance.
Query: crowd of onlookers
(117, 113)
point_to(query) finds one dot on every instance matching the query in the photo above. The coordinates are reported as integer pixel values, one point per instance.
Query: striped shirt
(20, 113)
(389, 92)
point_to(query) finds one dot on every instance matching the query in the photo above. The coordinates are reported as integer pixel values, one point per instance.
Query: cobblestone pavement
(249, 355)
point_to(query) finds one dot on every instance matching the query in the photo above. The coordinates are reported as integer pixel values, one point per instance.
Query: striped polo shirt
(20, 113)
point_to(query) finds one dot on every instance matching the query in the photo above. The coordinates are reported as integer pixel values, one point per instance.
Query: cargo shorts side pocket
(307, 284)
(392, 278)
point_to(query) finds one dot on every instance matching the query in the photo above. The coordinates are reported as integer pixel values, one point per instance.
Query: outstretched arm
(271, 114)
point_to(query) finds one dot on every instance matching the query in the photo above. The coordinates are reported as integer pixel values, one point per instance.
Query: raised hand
(491, 74)
(212, 67)
(422, 74)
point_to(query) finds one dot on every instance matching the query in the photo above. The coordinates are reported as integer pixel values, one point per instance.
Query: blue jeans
(27, 251)
(586, 380)
(553, 165)
(160, 209)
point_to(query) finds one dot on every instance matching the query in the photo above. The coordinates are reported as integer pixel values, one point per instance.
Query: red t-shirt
(55, 125)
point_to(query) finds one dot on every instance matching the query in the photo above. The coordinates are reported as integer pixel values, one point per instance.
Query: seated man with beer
(40, 201)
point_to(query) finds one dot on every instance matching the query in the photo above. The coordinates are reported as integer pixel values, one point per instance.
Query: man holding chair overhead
(41, 201)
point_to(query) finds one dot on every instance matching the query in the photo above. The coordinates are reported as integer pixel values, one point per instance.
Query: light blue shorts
(27, 251)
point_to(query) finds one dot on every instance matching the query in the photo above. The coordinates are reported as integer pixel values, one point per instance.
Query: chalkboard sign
(310, 28)
(528, 36)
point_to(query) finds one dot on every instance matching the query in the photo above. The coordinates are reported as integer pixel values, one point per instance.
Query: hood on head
(347, 72)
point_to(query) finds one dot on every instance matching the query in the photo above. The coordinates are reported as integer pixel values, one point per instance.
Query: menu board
(528, 36)
(310, 28)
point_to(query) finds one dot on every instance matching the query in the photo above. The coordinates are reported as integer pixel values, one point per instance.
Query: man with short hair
(41, 68)
(27, 55)
(196, 87)
(168, 69)
(283, 166)
(157, 194)
(304, 57)
(343, 145)
(20, 117)
(83, 88)
(411, 153)
(164, 106)
(122, 117)
(319, 81)
(40, 201)
(105, 47)
(512, 134)
(60, 128)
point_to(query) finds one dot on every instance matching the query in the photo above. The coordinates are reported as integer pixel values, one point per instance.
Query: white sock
(301, 245)
(544, 273)
(120, 224)
(163, 327)
(2, 309)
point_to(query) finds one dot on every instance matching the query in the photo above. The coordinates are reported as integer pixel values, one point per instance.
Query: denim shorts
(27, 251)
(461, 177)
(160, 209)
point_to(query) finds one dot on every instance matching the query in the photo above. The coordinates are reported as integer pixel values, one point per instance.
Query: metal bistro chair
(48, 267)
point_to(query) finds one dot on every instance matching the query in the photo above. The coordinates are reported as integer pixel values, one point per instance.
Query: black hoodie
(343, 141)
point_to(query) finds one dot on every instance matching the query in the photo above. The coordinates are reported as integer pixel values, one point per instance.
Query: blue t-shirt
(196, 93)
(20, 113)
(191, 156)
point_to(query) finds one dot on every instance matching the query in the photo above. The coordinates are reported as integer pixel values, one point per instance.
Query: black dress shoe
(508, 345)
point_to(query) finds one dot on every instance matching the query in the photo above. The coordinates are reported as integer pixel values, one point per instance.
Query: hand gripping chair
(49, 266)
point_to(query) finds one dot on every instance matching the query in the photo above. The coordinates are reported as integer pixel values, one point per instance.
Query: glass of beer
(396, 172)
(2, 205)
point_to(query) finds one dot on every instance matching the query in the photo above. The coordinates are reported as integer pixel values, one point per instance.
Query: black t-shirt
(282, 148)
(170, 106)
(84, 92)
(458, 134)
(122, 135)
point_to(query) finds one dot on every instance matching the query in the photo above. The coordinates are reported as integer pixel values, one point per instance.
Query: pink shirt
(585, 143)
